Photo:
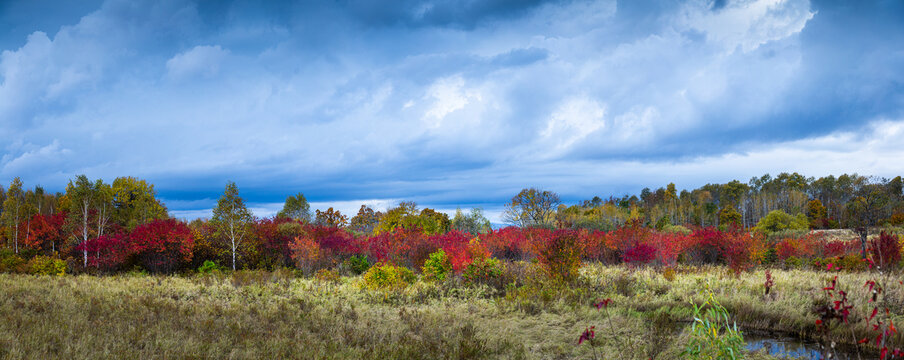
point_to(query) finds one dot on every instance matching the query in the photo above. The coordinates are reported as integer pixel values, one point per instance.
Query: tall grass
(275, 315)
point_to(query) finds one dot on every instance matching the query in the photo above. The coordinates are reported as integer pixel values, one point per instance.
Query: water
(789, 348)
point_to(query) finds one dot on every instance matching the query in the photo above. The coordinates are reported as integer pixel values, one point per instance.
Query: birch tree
(80, 199)
(231, 219)
(12, 211)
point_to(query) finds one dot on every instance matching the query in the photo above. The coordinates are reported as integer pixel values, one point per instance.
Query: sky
(457, 103)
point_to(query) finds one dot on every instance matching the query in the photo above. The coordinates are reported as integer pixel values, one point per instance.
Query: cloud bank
(449, 103)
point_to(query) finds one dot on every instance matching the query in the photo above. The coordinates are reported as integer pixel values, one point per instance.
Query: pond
(790, 348)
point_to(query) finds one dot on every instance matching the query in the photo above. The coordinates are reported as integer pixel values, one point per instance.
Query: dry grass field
(274, 315)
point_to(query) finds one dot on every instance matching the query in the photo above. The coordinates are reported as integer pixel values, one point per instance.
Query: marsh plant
(589, 334)
(713, 335)
(837, 311)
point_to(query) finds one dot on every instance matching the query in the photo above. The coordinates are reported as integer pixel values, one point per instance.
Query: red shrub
(458, 248)
(509, 243)
(45, 232)
(272, 243)
(393, 247)
(560, 255)
(840, 248)
(886, 250)
(336, 240)
(705, 246)
(629, 237)
(109, 252)
(640, 254)
(162, 245)
(669, 246)
(597, 245)
(742, 250)
(804, 247)
(306, 253)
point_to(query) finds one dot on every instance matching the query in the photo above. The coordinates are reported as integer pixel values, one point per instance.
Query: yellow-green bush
(851, 262)
(793, 262)
(387, 276)
(484, 271)
(11, 262)
(437, 267)
(669, 274)
(44, 265)
(326, 275)
(676, 229)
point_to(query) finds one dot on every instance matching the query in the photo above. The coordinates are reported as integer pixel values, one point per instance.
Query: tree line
(94, 224)
(846, 201)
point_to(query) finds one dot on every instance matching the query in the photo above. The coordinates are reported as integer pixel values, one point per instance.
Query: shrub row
(169, 245)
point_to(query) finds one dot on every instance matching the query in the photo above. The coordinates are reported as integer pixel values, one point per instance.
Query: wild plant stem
(612, 330)
(593, 346)
(856, 347)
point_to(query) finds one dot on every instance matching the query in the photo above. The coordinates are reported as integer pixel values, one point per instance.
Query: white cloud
(448, 95)
(32, 158)
(202, 60)
(748, 23)
(574, 120)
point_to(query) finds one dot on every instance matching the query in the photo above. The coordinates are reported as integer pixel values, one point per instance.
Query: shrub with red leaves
(803, 247)
(272, 237)
(886, 250)
(457, 246)
(335, 241)
(45, 231)
(669, 246)
(598, 246)
(740, 250)
(162, 246)
(705, 246)
(840, 248)
(108, 253)
(628, 237)
(640, 254)
(393, 247)
(306, 253)
(512, 242)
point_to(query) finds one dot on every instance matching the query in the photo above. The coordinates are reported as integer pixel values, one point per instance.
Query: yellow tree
(135, 202)
(13, 211)
(532, 207)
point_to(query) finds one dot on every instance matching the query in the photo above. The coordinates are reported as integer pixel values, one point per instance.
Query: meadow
(260, 314)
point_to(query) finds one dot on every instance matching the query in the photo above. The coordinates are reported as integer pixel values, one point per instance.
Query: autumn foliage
(161, 245)
(169, 245)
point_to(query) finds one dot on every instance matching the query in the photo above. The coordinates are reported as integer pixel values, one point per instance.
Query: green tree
(729, 217)
(406, 215)
(778, 220)
(87, 202)
(366, 220)
(296, 207)
(135, 202)
(13, 211)
(533, 207)
(864, 211)
(29, 208)
(231, 219)
(103, 205)
(473, 223)
(432, 222)
(816, 214)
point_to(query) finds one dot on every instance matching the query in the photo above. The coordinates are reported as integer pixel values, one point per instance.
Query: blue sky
(448, 103)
